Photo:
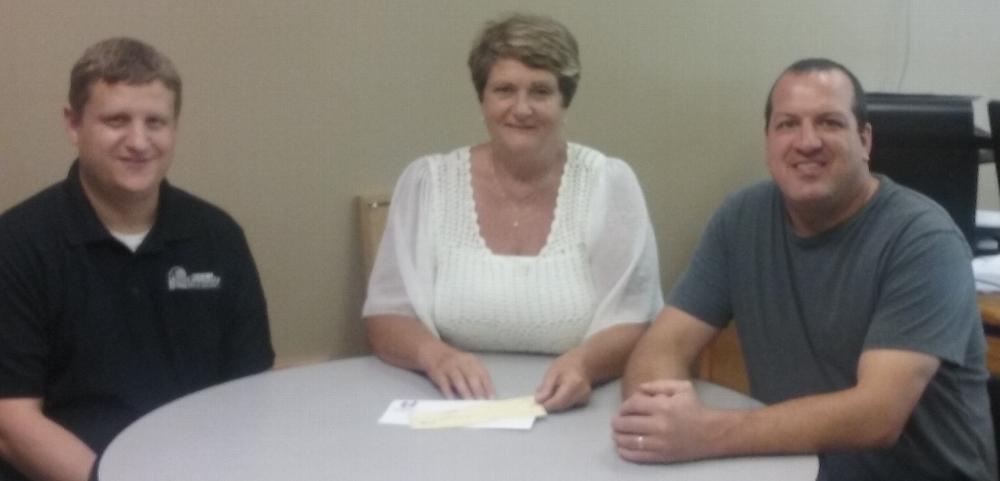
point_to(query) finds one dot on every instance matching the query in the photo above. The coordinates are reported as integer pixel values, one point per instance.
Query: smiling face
(522, 108)
(816, 152)
(125, 139)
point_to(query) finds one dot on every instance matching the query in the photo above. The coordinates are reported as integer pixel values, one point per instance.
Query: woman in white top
(524, 243)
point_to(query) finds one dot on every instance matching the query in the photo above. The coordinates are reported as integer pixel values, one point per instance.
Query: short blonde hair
(121, 59)
(538, 42)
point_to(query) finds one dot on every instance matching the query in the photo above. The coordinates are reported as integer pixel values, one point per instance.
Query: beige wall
(292, 108)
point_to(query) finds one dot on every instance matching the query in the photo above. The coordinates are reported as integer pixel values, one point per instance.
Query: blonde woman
(523, 243)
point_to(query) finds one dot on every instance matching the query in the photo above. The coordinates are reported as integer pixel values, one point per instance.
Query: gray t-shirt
(895, 276)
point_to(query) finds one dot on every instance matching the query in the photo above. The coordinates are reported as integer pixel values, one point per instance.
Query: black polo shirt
(105, 335)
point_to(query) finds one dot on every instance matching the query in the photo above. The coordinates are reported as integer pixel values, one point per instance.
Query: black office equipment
(988, 237)
(928, 143)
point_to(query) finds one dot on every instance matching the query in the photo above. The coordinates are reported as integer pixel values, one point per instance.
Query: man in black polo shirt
(118, 292)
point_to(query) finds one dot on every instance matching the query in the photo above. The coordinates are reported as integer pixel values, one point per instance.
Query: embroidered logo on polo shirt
(178, 278)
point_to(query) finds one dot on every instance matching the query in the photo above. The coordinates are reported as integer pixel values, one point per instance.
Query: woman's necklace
(507, 200)
(520, 207)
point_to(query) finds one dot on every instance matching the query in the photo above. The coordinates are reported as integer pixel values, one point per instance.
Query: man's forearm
(607, 351)
(678, 427)
(840, 421)
(650, 362)
(667, 350)
(868, 416)
(40, 448)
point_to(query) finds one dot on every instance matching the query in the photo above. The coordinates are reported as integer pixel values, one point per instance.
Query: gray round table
(319, 422)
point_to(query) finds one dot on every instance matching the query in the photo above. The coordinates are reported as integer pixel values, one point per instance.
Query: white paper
(987, 272)
(399, 411)
(987, 218)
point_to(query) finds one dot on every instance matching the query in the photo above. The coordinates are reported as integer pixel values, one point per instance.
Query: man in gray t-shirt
(855, 305)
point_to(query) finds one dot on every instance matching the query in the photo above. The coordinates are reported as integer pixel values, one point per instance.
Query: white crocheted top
(484, 301)
(434, 264)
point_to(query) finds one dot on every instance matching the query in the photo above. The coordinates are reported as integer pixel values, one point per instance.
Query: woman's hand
(566, 384)
(405, 342)
(457, 374)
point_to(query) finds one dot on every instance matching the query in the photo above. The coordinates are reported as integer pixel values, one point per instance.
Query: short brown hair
(538, 42)
(121, 59)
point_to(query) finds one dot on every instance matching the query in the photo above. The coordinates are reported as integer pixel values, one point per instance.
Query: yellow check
(479, 413)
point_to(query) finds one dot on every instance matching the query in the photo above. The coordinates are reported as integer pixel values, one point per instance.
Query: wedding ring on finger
(640, 441)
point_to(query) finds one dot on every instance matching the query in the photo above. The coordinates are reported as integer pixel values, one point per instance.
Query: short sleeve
(24, 347)
(623, 257)
(402, 276)
(703, 289)
(248, 337)
(927, 301)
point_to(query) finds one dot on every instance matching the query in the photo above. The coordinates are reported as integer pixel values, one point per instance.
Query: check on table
(514, 413)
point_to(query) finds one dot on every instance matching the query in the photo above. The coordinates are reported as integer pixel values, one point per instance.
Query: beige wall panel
(291, 109)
